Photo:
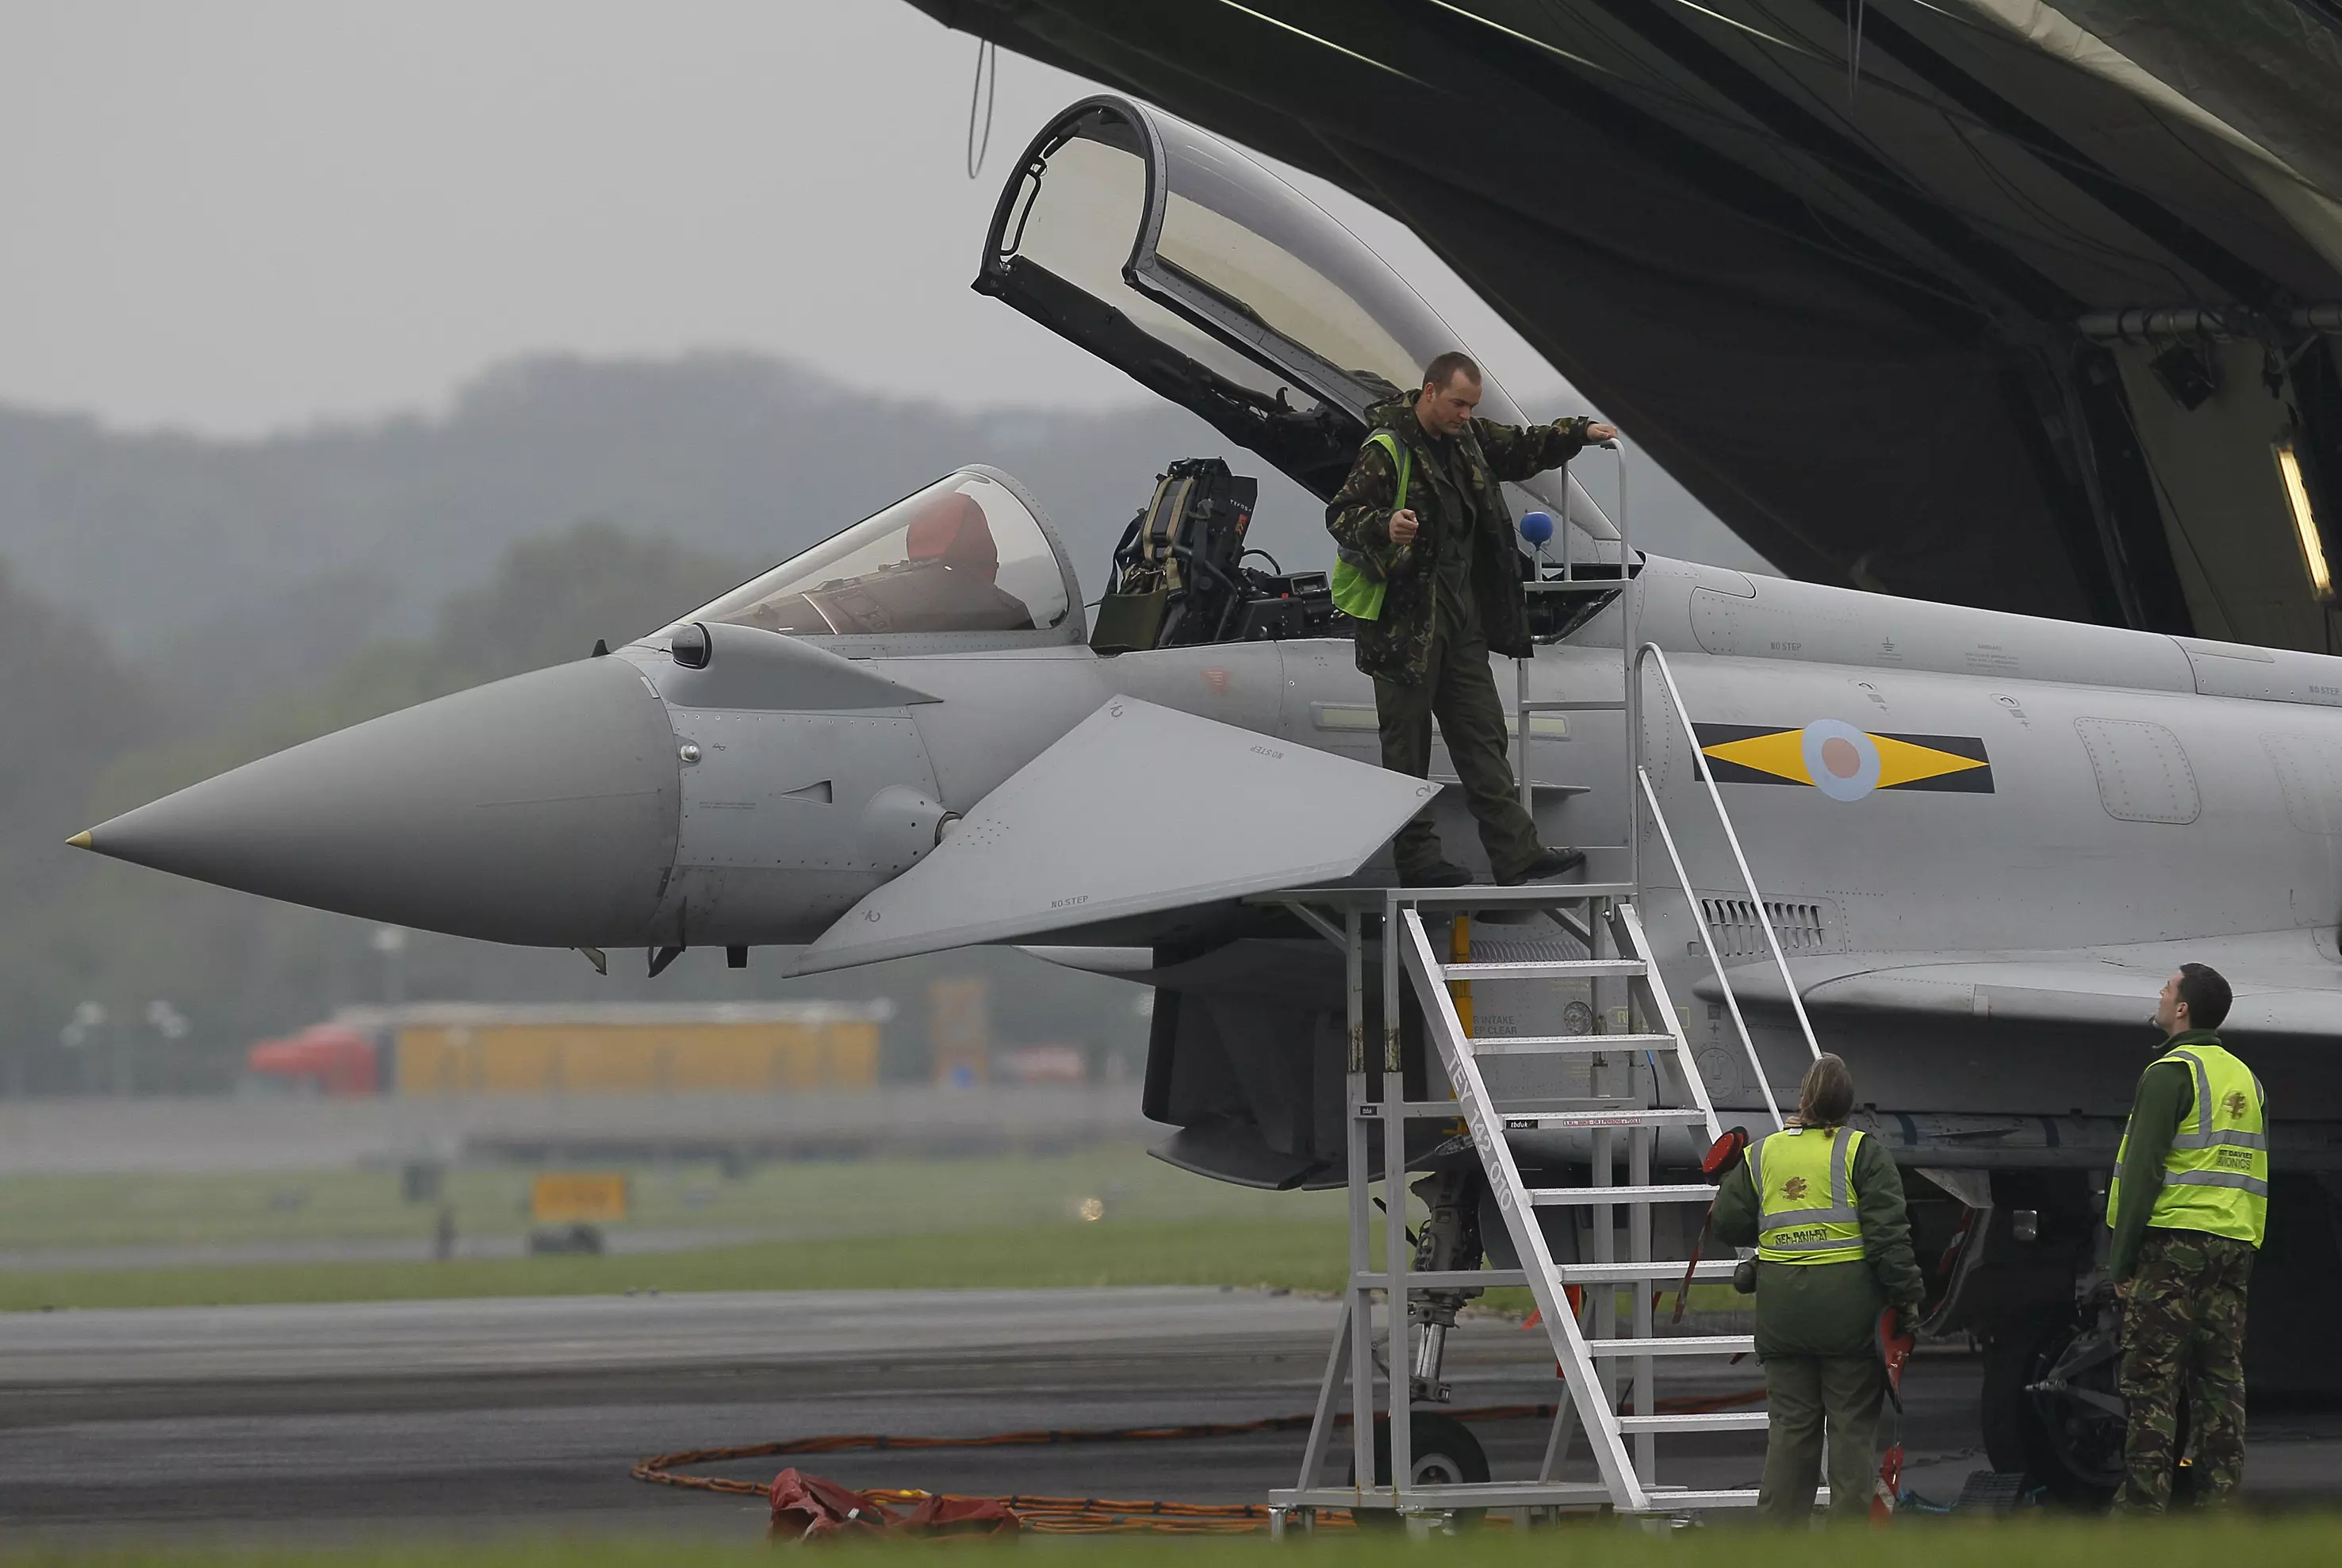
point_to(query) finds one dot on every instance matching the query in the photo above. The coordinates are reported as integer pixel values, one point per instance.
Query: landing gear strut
(1442, 1450)
(1449, 1241)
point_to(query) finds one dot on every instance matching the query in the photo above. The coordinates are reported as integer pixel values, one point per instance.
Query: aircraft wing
(2284, 983)
(1138, 809)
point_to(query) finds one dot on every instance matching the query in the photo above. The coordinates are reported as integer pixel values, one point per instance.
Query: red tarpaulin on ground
(812, 1507)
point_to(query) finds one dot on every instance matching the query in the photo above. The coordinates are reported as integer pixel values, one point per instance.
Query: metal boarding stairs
(1644, 1080)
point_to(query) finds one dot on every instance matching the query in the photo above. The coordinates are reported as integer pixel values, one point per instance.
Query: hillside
(338, 532)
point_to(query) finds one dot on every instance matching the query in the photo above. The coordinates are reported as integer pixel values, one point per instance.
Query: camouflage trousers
(1459, 689)
(2183, 1334)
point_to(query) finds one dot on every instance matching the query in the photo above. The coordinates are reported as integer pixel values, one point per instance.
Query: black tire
(2068, 1447)
(1444, 1452)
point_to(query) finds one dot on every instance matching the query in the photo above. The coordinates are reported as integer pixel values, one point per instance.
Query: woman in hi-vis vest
(1823, 1206)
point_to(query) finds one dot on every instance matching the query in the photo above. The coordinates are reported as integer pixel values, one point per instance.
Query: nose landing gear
(1442, 1450)
(1448, 1242)
(2051, 1406)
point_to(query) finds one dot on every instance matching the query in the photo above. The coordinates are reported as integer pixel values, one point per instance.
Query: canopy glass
(963, 555)
(1194, 267)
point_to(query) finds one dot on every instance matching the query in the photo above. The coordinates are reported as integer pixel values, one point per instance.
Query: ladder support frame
(1598, 1356)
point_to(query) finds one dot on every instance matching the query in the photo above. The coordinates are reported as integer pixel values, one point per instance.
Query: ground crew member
(1443, 558)
(2188, 1206)
(1822, 1205)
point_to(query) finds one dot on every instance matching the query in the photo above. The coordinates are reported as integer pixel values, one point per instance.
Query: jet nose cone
(539, 809)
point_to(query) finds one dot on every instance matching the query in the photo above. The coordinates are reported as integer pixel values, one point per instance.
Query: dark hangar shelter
(2017, 306)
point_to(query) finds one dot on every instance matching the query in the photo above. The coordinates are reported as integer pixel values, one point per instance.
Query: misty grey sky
(244, 214)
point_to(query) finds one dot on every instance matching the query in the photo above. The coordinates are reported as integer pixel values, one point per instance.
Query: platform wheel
(1446, 1454)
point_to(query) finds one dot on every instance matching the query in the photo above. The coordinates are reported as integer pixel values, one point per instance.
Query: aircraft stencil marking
(1844, 763)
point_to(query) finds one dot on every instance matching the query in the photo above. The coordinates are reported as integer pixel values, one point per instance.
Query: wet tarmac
(465, 1417)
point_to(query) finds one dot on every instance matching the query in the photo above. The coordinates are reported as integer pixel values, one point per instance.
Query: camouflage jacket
(1397, 647)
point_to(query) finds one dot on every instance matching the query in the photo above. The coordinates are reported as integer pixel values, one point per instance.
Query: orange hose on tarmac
(1085, 1515)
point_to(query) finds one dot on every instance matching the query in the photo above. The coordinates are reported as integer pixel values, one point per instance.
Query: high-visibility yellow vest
(1806, 1200)
(2215, 1178)
(1358, 583)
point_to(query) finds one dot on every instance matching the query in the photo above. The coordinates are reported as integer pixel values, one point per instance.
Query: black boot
(1547, 865)
(1439, 874)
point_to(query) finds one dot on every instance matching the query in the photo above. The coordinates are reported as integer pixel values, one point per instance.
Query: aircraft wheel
(2051, 1408)
(1446, 1453)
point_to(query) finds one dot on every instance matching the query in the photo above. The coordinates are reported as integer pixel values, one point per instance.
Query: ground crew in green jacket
(1444, 557)
(2188, 1207)
(1822, 1205)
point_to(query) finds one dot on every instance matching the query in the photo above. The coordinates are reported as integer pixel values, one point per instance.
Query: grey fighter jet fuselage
(2035, 822)
(1984, 840)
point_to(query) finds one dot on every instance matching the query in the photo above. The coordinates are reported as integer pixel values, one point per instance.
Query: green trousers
(1458, 690)
(1804, 1396)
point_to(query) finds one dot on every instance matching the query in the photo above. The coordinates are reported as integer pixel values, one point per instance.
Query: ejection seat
(1177, 572)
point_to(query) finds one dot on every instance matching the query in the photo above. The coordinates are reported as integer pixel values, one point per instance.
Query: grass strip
(2022, 1542)
(782, 1199)
(1306, 1255)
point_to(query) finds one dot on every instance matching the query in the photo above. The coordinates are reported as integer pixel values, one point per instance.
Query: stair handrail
(1652, 651)
(1708, 945)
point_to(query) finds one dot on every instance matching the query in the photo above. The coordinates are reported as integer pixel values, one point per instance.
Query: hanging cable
(985, 86)
(1853, 48)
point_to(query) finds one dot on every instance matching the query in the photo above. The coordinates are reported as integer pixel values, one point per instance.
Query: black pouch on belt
(1744, 1275)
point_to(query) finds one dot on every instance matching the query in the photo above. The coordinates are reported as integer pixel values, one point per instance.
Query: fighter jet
(1984, 839)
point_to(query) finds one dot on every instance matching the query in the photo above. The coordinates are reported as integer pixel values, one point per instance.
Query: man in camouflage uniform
(1452, 573)
(2187, 1211)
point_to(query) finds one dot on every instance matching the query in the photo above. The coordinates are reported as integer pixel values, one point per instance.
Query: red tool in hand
(1894, 1345)
(1715, 1164)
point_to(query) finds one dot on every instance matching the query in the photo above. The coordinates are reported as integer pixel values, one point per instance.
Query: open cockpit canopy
(1190, 265)
(2033, 304)
(967, 556)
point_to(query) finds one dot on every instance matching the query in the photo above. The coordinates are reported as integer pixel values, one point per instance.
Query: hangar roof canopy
(1982, 300)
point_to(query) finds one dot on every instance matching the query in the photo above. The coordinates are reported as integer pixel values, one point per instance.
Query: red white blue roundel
(1842, 761)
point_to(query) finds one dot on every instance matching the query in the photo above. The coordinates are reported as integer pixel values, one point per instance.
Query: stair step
(1675, 1344)
(1555, 1120)
(1559, 1044)
(1572, 585)
(1664, 1193)
(1666, 1500)
(1536, 894)
(1548, 968)
(1593, 705)
(1706, 1421)
(1446, 1279)
(1632, 1273)
(1447, 1495)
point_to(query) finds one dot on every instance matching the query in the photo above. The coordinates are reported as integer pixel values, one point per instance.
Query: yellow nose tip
(79, 839)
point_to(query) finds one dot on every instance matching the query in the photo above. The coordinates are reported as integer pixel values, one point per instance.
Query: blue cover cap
(1536, 527)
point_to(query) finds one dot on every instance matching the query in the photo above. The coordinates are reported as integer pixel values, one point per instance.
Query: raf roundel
(1842, 761)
